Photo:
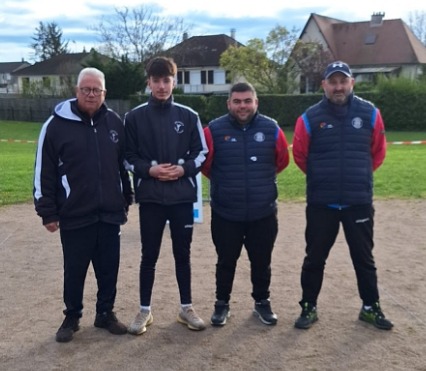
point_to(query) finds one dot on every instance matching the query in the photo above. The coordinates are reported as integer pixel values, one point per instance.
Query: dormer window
(370, 39)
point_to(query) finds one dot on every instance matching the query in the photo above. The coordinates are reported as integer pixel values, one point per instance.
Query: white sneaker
(138, 326)
(188, 317)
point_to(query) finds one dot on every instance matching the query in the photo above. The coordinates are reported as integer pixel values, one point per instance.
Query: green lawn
(402, 176)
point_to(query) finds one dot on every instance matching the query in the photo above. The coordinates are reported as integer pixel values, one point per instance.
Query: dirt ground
(31, 303)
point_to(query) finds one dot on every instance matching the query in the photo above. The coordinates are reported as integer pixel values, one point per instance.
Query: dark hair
(242, 87)
(161, 67)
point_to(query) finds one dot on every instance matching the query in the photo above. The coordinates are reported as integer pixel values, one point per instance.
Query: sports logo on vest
(357, 123)
(259, 137)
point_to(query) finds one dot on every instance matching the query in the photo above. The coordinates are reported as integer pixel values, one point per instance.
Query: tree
(262, 62)
(139, 33)
(417, 23)
(309, 60)
(123, 77)
(48, 41)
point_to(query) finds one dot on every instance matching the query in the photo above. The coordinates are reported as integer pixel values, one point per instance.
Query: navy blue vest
(243, 172)
(339, 167)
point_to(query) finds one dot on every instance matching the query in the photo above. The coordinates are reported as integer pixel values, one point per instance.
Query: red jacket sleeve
(378, 143)
(301, 141)
(207, 164)
(282, 157)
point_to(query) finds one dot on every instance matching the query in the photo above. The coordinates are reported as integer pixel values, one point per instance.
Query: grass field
(403, 174)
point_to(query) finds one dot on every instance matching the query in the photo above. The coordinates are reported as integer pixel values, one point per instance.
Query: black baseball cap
(337, 66)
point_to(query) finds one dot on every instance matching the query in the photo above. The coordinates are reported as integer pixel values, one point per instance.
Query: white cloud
(19, 19)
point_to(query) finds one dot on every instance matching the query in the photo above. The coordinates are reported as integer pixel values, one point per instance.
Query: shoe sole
(183, 321)
(375, 324)
(223, 323)
(263, 320)
(60, 340)
(114, 332)
(143, 329)
(306, 326)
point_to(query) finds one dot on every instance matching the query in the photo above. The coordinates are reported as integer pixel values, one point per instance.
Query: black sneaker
(221, 313)
(109, 321)
(307, 317)
(70, 325)
(264, 312)
(375, 316)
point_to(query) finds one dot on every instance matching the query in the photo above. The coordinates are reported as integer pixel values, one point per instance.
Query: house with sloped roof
(56, 76)
(8, 81)
(198, 62)
(373, 47)
(197, 59)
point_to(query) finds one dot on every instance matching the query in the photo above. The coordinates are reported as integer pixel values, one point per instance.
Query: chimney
(185, 36)
(377, 19)
(233, 30)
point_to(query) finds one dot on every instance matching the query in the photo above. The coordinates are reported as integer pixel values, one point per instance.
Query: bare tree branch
(139, 33)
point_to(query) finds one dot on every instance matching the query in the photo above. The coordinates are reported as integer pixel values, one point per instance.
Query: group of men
(83, 189)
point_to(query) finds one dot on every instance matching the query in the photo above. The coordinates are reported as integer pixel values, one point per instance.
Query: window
(207, 77)
(183, 77)
(25, 82)
(370, 39)
(46, 82)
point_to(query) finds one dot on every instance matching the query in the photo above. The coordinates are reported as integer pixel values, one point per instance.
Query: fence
(39, 109)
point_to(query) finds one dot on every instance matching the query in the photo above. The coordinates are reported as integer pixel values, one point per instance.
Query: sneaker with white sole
(221, 313)
(262, 310)
(188, 317)
(138, 326)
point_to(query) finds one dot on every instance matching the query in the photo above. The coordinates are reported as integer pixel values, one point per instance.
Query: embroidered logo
(357, 123)
(179, 125)
(259, 137)
(114, 136)
(228, 138)
(324, 125)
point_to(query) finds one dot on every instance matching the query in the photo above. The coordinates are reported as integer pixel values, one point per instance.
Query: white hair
(91, 71)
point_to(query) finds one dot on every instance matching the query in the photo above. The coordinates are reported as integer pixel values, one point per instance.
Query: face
(161, 87)
(242, 106)
(338, 87)
(89, 102)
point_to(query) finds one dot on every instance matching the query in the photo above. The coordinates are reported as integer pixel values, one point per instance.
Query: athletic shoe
(188, 317)
(138, 326)
(70, 325)
(221, 313)
(308, 316)
(263, 311)
(109, 321)
(375, 316)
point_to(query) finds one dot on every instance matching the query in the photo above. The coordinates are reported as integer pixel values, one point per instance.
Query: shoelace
(191, 315)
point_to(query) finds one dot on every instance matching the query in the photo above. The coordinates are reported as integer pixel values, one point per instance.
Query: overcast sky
(20, 18)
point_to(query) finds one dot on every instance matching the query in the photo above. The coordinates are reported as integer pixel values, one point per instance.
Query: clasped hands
(166, 172)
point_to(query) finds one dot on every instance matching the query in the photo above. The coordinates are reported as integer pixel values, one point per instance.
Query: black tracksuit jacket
(79, 176)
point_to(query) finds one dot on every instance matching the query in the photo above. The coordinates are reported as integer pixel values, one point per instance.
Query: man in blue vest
(338, 143)
(246, 151)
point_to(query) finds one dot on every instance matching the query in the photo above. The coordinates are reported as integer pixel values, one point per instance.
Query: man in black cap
(338, 143)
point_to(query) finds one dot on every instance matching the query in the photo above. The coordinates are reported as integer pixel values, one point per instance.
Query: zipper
(95, 131)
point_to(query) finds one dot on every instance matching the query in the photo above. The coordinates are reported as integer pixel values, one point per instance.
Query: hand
(166, 172)
(52, 227)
